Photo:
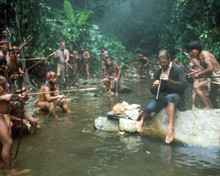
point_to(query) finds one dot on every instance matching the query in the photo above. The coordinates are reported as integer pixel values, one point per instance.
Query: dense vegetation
(118, 25)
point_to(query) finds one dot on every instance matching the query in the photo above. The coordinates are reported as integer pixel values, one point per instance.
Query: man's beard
(52, 85)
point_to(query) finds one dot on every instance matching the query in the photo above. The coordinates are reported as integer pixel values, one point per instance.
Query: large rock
(106, 124)
(127, 125)
(192, 127)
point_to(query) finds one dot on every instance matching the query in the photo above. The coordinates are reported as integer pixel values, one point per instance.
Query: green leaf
(83, 16)
(69, 11)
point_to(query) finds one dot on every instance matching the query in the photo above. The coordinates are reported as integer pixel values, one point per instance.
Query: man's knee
(173, 98)
(8, 143)
(105, 80)
(51, 105)
(152, 107)
(116, 80)
(149, 109)
(34, 122)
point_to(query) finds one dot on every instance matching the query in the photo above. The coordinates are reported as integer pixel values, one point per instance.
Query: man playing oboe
(168, 85)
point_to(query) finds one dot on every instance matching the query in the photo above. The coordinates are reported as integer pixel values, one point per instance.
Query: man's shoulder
(176, 66)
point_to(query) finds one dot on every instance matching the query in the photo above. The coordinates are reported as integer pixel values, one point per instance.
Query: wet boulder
(192, 127)
(127, 125)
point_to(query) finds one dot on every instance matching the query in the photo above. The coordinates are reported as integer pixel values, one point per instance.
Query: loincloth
(112, 83)
(215, 77)
(7, 120)
(63, 70)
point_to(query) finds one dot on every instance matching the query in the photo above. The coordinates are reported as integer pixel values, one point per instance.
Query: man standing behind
(143, 63)
(169, 83)
(112, 75)
(211, 69)
(74, 57)
(63, 57)
(104, 56)
(86, 59)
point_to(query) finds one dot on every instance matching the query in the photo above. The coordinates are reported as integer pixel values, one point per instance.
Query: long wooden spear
(74, 90)
(28, 39)
(190, 58)
(41, 61)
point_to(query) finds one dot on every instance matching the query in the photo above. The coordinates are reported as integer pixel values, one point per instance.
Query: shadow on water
(69, 145)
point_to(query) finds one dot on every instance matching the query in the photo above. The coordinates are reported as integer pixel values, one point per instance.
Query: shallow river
(70, 147)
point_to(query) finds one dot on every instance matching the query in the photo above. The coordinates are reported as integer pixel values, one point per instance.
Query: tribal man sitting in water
(112, 75)
(48, 97)
(211, 69)
(168, 85)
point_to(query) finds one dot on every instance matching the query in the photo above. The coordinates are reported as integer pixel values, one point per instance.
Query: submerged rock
(192, 127)
(90, 94)
(124, 89)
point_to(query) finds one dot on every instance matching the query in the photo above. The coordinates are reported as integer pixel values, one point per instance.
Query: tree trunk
(23, 63)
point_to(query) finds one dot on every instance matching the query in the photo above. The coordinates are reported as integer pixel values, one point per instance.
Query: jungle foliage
(118, 25)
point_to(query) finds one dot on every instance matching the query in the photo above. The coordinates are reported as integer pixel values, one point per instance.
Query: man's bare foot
(169, 137)
(193, 108)
(140, 126)
(109, 91)
(55, 116)
(68, 111)
(76, 84)
(116, 94)
(87, 80)
(16, 172)
(206, 108)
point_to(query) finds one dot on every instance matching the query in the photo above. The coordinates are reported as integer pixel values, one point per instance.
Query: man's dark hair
(163, 54)
(194, 45)
(102, 47)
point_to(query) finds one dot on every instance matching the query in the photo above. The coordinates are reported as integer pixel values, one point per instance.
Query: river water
(69, 146)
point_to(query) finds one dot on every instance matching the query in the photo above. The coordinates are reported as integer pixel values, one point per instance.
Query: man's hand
(20, 97)
(164, 77)
(194, 74)
(61, 96)
(156, 83)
